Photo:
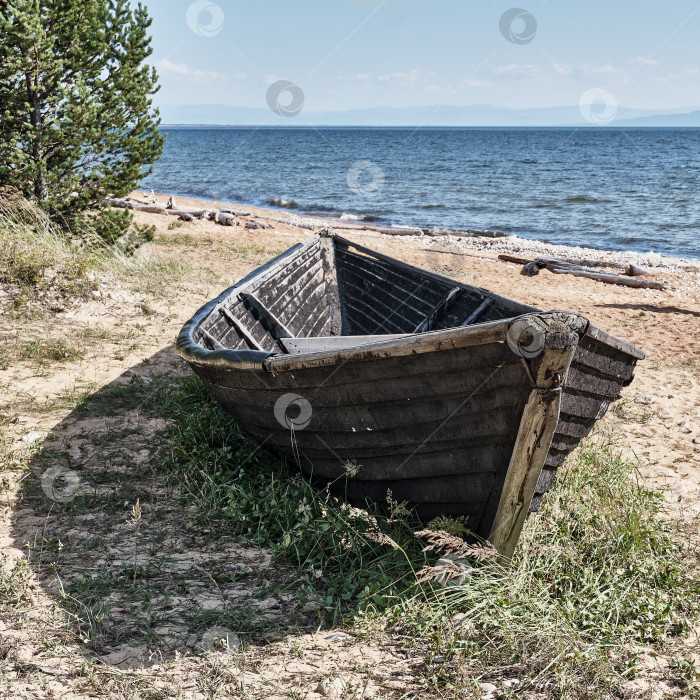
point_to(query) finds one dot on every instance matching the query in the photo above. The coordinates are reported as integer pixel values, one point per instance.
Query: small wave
(585, 199)
(486, 233)
(432, 206)
(545, 204)
(282, 202)
(358, 217)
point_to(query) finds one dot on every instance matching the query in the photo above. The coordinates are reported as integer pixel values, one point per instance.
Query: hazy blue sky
(371, 53)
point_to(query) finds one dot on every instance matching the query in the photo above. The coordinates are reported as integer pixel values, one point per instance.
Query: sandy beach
(132, 326)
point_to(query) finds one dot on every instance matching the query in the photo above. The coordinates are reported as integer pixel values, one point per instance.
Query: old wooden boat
(375, 375)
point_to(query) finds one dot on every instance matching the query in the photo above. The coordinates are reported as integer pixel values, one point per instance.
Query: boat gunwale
(418, 344)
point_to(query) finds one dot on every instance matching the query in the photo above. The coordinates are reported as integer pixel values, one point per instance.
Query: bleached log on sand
(120, 203)
(608, 278)
(235, 212)
(225, 219)
(630, 270)
(562, 267)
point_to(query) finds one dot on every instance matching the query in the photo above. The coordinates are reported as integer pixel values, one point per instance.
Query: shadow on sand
(652, 308)
(143, 582)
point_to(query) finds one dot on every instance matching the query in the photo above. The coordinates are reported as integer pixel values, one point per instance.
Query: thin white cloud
(167, 67)
(641, 61)
(415, 76)
(673, 77)
(607, 73)
(529, 70)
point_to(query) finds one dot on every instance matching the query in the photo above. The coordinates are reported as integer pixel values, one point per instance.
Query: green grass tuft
(43, 351)
(35, 255)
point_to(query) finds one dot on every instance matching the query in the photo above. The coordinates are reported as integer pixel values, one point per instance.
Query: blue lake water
(607, 188)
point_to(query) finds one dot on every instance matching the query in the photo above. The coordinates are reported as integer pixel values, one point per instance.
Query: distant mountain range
(438, 115)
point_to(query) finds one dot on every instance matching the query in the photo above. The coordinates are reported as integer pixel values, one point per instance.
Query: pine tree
(76, 116)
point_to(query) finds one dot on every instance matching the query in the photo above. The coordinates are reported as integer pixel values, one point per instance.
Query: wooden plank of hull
(564, 443)
(366, 319)
(488, 456)
(302, 320)
(298, 346)
(319, 320)
(356, 288)
(280, 275)
(435, 341)
(457, 427)
(293, 304)
(608, 361)
(388, 303)
(382, 419)
(279, 298)
(555, 458)
(375, 379)
(586, 379)
(323, 447)
(417, 294)
(580, 406)
(471, 490)
(370, 271)
(570, 426)
(517, 308)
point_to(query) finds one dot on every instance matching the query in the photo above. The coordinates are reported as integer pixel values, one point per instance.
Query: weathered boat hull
(452, 420)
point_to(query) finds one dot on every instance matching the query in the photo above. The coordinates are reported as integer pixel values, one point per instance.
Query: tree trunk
(41, 191)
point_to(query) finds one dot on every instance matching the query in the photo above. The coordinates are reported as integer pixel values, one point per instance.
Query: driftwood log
(561, 266)
(235, 212)
(630, 270)
(148, 208)
(225, 219)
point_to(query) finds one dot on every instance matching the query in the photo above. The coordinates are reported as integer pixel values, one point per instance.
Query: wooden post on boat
(551, 340)
(327, 243)
(535, 435)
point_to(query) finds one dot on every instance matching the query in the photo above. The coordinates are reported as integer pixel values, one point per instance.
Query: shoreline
(447, 238)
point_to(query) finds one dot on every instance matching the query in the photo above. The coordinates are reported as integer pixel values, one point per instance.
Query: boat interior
(330, 293)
